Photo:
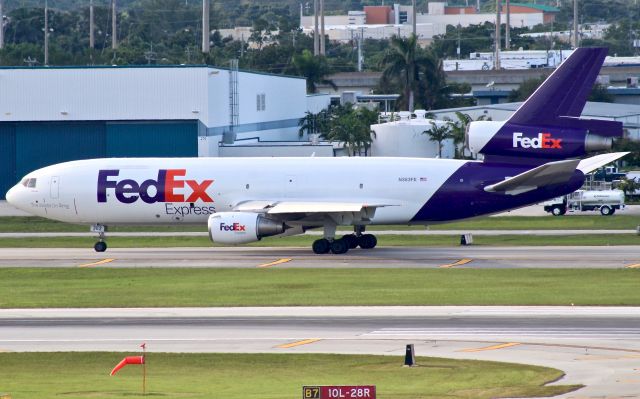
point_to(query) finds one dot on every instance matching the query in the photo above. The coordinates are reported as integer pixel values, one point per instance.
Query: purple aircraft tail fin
(565, 91)
(548, 126)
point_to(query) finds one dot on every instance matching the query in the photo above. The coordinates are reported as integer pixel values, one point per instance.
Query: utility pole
(496, 62)
(1, 27)
(360, 58)
(205, 26)
(114, 29)
(46, 33)
(92, 40)
(316, 27)
(413, 17)
(507, 28)
(576, 40)
(322, 46)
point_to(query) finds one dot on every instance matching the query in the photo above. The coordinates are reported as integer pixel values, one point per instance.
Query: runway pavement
(383, 257)
(598, 347)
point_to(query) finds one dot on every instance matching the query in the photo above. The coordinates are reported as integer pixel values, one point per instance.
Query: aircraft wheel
(558, 211)
(606, 211)
(351, 239)
(100, 246)
(321, 246)
(339, 247)
(367, 241)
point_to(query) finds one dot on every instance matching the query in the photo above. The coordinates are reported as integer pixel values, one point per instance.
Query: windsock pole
(144, 369)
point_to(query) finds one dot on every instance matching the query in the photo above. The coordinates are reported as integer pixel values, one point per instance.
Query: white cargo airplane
(527, 159)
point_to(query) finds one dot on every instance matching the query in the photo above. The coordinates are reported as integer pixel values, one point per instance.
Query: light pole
(46, 33)
(205, 26)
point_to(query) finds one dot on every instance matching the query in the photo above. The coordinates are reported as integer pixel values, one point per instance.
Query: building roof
(151, 66)
(541, 7)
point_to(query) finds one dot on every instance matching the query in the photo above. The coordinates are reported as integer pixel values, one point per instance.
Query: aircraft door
(55, 187)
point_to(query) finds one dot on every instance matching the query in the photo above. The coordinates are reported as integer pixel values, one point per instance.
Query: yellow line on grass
(278, 262)
(458, 263)
(98, 263)
(298, 343)
(493, 347)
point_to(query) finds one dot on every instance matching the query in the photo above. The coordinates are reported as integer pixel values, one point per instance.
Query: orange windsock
(128, 360)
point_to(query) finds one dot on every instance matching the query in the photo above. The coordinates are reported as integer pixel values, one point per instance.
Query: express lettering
(543, 140)
(232, 227)
(164, 187)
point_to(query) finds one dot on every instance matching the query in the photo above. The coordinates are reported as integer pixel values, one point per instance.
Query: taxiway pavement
(383, 257)
(595, 346)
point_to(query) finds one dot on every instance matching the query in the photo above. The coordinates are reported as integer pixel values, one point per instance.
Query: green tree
(314, 123)
(402, 64)
(629, 186)
(439, 134)
(352, 126)
(314, 68)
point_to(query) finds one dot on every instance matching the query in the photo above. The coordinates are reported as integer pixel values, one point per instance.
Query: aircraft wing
(343, 212)
(593, 163)
(543, 175)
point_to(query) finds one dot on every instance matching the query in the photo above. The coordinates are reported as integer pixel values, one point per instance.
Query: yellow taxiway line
(634, 266)
(491, 348)
(458, 263)
(278, 262)
(98, 263)
(298, 343)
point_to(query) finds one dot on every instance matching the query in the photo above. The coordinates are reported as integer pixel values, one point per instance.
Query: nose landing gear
(101, 245)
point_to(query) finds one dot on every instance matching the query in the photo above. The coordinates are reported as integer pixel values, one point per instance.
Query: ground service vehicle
(605, 201)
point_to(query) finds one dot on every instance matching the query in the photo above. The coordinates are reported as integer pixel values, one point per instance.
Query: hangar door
(45, 143)
(152, 139)
(7, 158)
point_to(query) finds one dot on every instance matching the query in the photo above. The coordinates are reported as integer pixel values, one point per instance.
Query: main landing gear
(341, 245)
(101, 245)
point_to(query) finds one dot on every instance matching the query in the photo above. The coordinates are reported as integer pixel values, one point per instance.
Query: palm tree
(459, 132)
(314, 68)
(352, 126)
(402, 63)
(439, 134)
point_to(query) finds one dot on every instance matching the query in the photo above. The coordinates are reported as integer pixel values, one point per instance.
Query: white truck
(605, 201)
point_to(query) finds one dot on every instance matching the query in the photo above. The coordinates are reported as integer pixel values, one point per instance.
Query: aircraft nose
(11, 196)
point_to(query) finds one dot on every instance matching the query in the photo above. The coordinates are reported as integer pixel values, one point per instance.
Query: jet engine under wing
(543, 175)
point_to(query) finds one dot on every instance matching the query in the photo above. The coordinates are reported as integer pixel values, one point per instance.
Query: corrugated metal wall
(43, 144)
(152, 139)
(25, 147)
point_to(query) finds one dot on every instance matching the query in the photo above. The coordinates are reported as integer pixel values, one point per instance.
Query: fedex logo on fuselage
(232, 227)
(162, 189)
(544, 140)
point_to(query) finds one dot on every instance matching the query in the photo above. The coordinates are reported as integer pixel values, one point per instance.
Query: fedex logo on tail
(544, 140)
(162, 189)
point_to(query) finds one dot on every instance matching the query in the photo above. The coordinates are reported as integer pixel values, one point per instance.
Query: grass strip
(266, 376)
(306, 241)
(127, 287)
(14, 224)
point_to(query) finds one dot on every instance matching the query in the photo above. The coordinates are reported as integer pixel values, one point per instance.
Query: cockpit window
(30, 183)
